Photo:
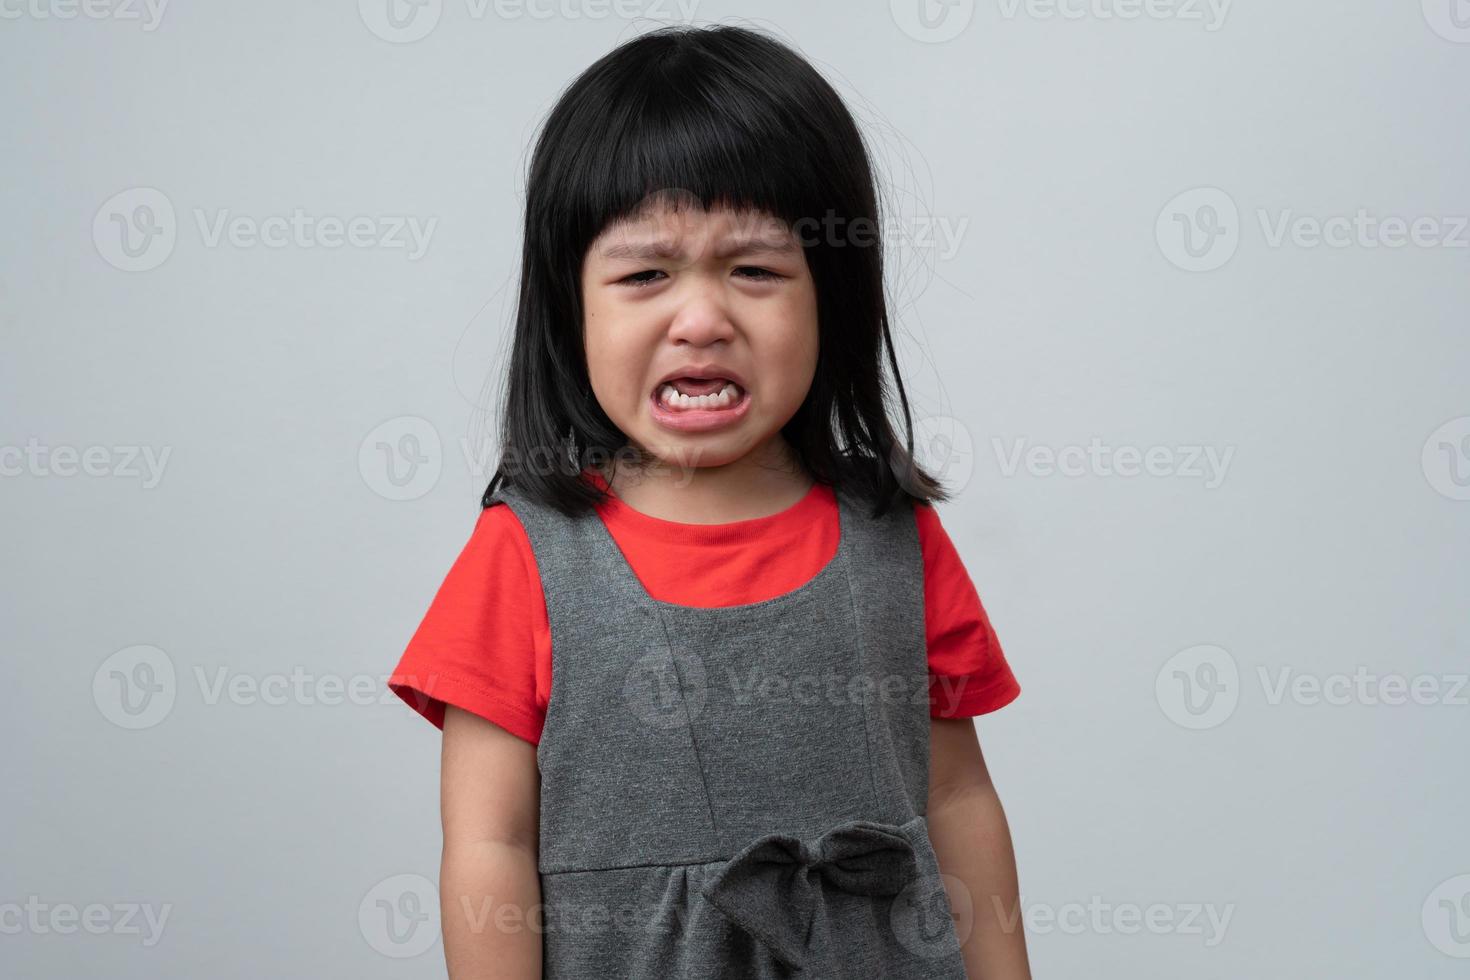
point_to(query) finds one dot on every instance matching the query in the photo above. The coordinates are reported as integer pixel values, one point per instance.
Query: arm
(973, 843)
(489, 889)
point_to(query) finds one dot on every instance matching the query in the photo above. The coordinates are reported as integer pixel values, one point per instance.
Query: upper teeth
(674, 398)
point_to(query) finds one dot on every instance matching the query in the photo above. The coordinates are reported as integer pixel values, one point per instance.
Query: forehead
(663, 229)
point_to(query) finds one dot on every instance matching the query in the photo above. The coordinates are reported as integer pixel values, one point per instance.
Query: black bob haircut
(724, 116)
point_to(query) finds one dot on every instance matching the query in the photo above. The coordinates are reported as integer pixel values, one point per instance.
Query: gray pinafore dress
(738, 792)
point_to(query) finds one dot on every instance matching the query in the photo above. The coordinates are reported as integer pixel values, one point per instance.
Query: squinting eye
(760, 274)
(750, 272)
(633, 280)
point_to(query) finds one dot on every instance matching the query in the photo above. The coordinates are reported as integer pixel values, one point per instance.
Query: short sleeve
(968, 672)
(485, 644)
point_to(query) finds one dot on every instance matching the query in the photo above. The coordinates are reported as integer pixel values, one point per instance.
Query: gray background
(1073, 307)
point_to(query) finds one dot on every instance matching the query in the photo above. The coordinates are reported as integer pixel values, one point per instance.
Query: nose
(702, 316)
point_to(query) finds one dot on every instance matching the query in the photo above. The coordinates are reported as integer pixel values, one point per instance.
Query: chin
(693, 452)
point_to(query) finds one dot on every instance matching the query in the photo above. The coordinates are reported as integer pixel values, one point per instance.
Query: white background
(1112, 188)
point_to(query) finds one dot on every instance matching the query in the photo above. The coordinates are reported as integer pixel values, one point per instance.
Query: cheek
(785, 363)
(597, 338)
(613, 357)
(795, 352)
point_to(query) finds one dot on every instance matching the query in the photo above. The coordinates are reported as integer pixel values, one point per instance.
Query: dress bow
(773, 888)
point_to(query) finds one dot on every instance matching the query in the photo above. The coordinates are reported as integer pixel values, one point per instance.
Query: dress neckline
(803, 510)
(614, 510)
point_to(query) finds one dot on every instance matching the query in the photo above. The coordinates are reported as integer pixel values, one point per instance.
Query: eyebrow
(653, 251)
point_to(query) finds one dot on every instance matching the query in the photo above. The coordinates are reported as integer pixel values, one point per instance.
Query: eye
(633, 279)
(760, 275)
(750, 272)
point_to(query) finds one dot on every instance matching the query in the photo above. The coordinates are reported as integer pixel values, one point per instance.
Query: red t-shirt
(485, 643)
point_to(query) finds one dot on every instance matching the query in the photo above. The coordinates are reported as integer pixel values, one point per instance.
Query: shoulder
(483, 644)
(947, 579)
(934, 540)
(498, 552)
(496, 524)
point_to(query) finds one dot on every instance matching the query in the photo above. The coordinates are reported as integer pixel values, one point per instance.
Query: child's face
(674, 291)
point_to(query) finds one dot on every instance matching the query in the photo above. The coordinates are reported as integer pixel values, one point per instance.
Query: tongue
(698, 386)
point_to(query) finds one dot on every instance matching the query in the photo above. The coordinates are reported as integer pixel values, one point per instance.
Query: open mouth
(707, 394)
(690, 404)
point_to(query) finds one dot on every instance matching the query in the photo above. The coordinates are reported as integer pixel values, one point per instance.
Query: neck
(757, 484)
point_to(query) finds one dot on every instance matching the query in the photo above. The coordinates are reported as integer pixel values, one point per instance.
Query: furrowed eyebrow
(756, 246)
(643, 251)
(653, 251)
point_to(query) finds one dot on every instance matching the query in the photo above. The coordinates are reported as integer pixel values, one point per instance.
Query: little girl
(706, 667)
